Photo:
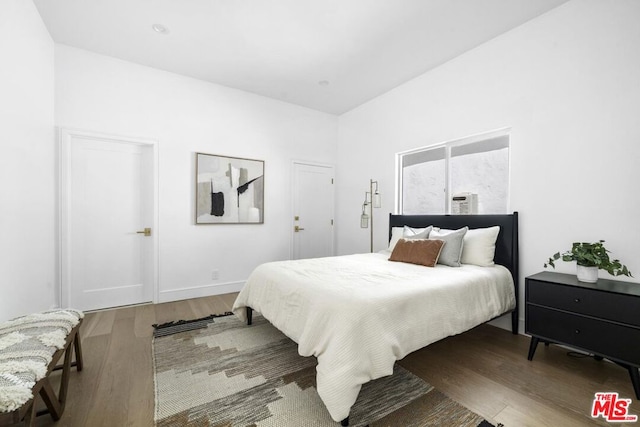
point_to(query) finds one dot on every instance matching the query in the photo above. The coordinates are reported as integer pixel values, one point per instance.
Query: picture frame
(229, 190)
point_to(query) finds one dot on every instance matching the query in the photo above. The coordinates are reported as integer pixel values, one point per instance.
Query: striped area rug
(170, 328)
(228, 374)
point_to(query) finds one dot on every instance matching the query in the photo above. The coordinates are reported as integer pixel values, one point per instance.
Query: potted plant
(590, 257)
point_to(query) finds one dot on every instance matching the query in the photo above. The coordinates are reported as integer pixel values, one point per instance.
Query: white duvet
(358, 314)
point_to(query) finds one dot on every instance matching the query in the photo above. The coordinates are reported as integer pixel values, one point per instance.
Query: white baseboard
(199, 291)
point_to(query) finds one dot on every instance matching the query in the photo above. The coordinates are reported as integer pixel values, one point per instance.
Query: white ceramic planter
(587, 274)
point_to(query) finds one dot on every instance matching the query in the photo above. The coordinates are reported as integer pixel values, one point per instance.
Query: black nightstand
(602, 318)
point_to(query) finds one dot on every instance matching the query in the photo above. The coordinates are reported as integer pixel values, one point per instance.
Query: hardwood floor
(485, 369)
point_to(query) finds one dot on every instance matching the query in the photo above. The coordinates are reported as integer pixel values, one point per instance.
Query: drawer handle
(576, 300)
(577, 331)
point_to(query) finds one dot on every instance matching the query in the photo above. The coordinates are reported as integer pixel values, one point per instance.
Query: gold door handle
(146, 232)
(297, 228)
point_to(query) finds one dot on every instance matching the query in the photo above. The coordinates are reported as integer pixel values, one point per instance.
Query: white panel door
(107, 260)
(313, 202)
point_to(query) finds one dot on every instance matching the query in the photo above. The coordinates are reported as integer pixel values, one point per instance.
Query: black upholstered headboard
(506, 244)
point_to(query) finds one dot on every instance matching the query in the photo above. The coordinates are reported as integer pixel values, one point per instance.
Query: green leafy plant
(591, 255)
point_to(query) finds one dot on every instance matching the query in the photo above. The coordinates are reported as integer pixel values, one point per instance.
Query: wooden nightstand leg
(635, 380)
(532, 347)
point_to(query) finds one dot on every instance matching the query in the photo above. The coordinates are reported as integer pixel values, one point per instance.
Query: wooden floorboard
(485, 369)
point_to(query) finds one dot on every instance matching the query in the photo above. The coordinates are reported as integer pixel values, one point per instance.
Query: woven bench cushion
(27, 346)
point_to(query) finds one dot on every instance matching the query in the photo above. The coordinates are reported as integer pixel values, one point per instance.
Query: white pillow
(417, 233)
(479, 246)
(398, 233)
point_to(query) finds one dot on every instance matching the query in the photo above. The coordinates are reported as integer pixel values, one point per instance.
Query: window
(469, 175)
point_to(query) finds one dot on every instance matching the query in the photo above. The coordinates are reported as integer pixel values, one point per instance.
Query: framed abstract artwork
(229, 190)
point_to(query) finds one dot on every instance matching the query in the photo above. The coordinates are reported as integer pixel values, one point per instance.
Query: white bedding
(358, 314)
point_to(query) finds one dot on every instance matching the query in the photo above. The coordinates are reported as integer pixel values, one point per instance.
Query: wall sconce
(372, 199)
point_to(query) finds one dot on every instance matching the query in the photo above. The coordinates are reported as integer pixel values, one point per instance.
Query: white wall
(27, 192)
(568, 84)
(185, 115)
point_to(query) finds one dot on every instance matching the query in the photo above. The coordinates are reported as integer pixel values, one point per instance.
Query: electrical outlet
(215, 274)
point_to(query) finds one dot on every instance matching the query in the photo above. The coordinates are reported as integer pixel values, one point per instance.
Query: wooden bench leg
(55, 405)
(78, 349)
(30, 416)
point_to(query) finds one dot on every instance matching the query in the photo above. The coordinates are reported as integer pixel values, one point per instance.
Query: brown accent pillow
(417, 251)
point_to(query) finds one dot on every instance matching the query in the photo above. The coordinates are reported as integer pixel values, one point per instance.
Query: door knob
(297, 228)
(146, 232)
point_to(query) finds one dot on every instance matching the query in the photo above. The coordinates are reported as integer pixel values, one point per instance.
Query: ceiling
(329, 55)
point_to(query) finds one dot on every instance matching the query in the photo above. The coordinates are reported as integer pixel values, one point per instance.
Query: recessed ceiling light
(160, 29)
(323, 83)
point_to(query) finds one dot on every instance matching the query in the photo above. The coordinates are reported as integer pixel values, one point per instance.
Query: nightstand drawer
(600, 337)
(606, 305)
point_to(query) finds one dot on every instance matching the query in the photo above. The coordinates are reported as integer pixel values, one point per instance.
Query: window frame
(448, 146)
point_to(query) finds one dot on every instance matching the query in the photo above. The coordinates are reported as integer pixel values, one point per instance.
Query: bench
(30, 350)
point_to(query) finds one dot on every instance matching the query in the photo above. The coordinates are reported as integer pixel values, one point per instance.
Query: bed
(358, 314)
